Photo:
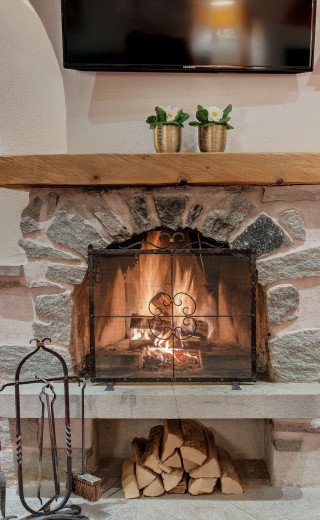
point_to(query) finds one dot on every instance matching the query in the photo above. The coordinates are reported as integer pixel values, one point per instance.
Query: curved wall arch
(32, 108)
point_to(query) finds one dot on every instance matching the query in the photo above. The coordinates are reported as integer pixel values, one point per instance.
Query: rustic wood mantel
(160, 169)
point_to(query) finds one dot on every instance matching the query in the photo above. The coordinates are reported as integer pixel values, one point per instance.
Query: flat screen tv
(189, 35)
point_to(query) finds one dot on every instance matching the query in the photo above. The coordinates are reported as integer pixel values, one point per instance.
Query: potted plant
(166, 125)
(213, 124)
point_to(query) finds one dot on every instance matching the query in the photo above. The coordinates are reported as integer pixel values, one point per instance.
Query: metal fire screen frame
(174, 245)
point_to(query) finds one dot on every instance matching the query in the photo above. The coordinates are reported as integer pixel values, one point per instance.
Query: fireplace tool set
(49, 508)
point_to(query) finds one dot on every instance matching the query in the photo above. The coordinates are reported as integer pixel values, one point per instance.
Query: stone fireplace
(181, 283)
(270, 223)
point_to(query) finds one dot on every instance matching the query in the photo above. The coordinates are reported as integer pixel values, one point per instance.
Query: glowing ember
(163, 358)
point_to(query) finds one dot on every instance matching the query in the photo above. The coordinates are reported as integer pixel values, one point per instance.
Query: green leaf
(199, 107)
(161, 115)
(223, 120)
(202, 115)
(183, 117)
(227, 111)
(179, 114)
(151, 119)
(194, 123)
(229, 127)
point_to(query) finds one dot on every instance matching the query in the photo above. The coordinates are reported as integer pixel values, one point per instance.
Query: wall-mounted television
(189, 35)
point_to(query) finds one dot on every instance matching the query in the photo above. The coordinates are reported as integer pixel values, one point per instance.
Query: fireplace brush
(83, 484)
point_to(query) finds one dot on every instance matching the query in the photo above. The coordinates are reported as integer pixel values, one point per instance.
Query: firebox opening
(172, 306)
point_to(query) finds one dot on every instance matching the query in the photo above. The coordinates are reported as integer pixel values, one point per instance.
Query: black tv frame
(98, 67)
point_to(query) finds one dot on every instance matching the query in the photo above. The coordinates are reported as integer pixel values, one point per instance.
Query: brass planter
(212, 138)
(167, 138)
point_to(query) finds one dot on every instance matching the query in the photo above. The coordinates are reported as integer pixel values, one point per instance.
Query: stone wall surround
(281, 224)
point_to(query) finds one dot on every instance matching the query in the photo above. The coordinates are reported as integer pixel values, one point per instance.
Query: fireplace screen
(172, 307)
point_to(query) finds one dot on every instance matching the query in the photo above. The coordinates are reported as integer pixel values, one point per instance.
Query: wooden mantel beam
(160, 169)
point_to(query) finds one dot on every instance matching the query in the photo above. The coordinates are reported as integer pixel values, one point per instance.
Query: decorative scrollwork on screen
(172, 316)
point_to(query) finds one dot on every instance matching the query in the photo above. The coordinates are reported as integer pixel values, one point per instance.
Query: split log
(151, 457)
(129, 480)
(155, 489)
(182, 487)
(171, 480)
(199, 486)
(172, 437)
(165, 468)
(194, 446)
(189, 465)
(144, 475)
(230, 481)
(210, 467)
(174, 461)
(138, 446)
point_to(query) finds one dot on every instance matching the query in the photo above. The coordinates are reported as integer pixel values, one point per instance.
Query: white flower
(171, 112)
(214, 113)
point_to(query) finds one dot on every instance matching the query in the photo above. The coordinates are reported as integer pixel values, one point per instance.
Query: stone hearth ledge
(261, 400)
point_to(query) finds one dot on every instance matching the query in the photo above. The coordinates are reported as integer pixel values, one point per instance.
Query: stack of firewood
(179, 456)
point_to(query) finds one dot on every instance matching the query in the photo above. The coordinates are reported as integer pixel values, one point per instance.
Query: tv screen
(189, 35)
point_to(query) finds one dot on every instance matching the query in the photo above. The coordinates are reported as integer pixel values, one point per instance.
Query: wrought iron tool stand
(47, 396)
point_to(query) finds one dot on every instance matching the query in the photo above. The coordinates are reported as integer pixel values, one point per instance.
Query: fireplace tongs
(47, 398)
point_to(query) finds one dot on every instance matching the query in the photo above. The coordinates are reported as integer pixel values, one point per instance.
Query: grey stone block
(262, 236)
(193, 215)
(283, 304)
(33, 210)
(11, 270)
(73, 231)
(226, 216)
(295, 356)
(66, 273)
(294, 221)
(285, 445)
(42, 364)
(52, 202)
(292, 265)
(39, 250)
(54, 311)
(113, 224)
(29, 225)
(35, 284)
(170, 210)
(139, 212)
